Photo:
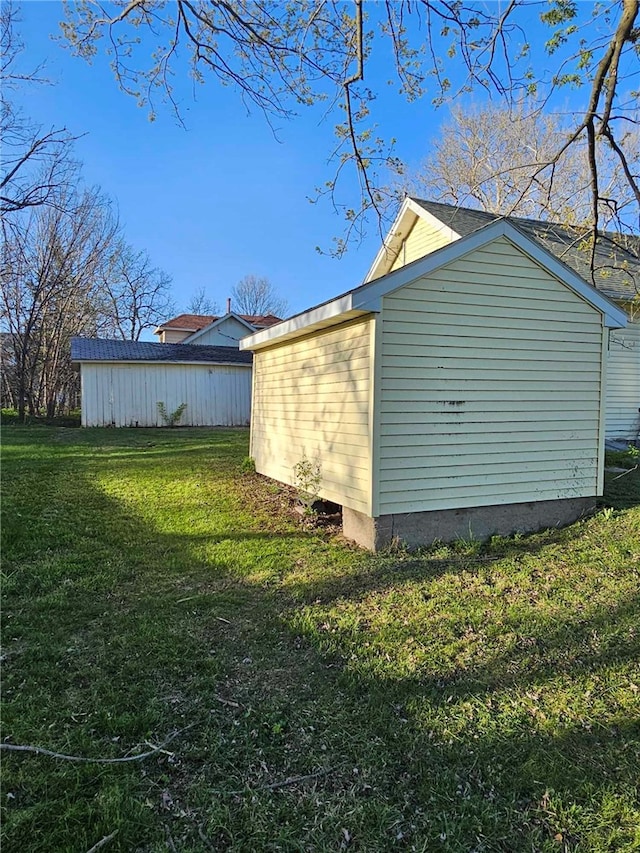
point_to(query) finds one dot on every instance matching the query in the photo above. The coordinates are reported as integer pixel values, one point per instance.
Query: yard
(468, 698)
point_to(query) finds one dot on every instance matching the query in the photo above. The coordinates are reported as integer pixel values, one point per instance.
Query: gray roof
(96, 349)
(617, 258)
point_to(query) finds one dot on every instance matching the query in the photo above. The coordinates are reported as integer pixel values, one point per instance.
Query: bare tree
(256, 295)
(51, 274)
(486, 156)
(281, 57)
(201, 303)
(135, 295)
(35, 162)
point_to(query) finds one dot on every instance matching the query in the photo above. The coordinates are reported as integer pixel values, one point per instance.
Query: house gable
(414, 233)
(223, 332)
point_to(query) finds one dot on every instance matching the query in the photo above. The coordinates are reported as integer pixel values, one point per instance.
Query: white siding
(311, 396)
(173, 336)
(125, 395)
(623, 382)
(490, 387)
(226, 334)
(423, 239)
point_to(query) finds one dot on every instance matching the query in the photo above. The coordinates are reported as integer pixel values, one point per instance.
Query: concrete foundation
(446, 525)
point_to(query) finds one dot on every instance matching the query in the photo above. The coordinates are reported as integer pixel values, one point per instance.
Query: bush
(622, 458)
(73, 419)
(9, 416)
(248, 465)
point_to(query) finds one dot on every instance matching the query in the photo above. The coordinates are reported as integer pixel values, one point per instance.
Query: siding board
(127, 395)
(422, 239)
(490, 387)
(623, 382)
(311, 396)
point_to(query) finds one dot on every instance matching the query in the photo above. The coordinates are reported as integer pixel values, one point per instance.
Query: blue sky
(223, 198)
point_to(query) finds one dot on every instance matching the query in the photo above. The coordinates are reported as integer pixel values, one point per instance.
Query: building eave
(158, 361)
(339, 310)
(368, 297)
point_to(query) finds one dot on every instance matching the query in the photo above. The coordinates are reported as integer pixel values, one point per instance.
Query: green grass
(465, 698)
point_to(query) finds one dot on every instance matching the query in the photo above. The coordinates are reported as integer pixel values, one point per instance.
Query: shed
(122, 383)
(461, 394)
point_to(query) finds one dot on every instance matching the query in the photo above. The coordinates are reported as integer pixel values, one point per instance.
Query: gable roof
(95, 349)
(219, 322)
(367, 298)
(196, 322)
(617, 257)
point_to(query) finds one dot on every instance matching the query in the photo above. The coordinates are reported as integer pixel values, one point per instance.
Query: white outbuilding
(130, 383)
(459, 394)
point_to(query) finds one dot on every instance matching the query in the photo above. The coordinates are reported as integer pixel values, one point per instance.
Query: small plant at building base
(307, 478)
(248, 465)
(170, 418)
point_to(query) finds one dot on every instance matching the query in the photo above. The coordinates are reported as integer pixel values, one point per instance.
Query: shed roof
(96, 349)
(617, 256)
(367, 298)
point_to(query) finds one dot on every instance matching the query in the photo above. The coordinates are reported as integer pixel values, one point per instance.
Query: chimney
(228, 305)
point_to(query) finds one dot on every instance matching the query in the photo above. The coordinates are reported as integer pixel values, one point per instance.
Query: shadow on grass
(119, 632)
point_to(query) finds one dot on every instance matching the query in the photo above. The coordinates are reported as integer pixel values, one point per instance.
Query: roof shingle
(95, 349)
(617, 269)
(195, 322)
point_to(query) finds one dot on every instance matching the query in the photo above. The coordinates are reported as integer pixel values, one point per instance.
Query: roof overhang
(367, 298)
(158, 361)
(332, 313)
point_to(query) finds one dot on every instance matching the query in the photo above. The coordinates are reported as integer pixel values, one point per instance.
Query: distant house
(205, 328)
(197, 364)
(458, 392)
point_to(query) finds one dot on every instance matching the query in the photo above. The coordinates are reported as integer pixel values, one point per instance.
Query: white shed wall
(311, 396)
(125, 395)
(623, 382)
(490, 387)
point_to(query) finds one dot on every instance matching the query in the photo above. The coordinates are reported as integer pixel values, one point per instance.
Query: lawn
(465, 698)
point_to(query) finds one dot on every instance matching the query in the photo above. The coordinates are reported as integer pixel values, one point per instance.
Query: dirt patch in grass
(278, 501)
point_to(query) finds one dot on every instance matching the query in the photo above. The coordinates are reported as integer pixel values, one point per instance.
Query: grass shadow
(480, 700)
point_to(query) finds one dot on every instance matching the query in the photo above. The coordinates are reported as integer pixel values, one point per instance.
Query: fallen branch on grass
(624, 473)
(103, 841)
(40, 750)
(291, 780)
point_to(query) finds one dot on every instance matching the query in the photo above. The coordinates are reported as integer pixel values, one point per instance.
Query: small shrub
(72, 419)
(622, 458)
(9, 416)
(307, 478)
(170, 418)
(248, 465)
